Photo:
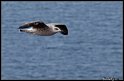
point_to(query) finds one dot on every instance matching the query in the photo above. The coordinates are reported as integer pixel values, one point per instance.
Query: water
(92, 50)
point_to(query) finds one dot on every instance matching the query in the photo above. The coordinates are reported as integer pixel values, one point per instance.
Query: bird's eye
(56, 28)
(36, 23)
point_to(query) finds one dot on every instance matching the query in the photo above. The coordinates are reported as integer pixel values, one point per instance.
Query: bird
(42, 29)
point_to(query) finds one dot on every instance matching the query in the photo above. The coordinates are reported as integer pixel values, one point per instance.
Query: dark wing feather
(35, 24)
(39, 24)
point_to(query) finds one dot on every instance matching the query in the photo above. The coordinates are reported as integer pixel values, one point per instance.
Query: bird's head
(56, 29)
(62, 29)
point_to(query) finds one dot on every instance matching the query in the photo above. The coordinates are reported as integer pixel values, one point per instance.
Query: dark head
(63, 29)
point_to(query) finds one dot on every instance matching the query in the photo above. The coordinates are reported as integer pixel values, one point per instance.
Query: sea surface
(91, 51)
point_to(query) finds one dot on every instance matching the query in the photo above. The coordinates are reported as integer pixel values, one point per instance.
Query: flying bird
(42, 29)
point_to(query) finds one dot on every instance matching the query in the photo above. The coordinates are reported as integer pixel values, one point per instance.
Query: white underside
(30, 29)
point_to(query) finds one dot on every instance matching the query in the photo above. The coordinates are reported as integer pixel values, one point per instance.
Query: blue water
(92, 50)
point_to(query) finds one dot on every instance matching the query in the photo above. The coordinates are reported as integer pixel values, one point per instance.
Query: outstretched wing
(35, 24)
